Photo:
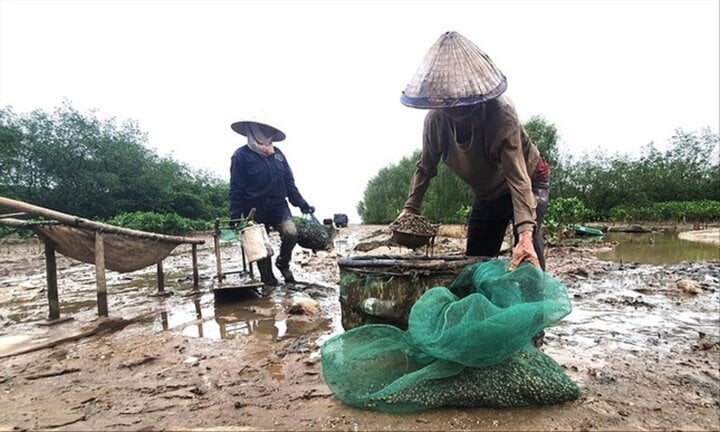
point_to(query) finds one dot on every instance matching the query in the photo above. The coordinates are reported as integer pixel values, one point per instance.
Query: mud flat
(642, 342)
(710, 235)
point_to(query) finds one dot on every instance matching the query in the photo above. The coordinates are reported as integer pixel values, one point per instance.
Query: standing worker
(261, 178)
(475, 131)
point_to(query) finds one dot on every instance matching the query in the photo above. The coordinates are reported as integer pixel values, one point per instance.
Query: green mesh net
(228, 235)
(466, 345)
(311, 234)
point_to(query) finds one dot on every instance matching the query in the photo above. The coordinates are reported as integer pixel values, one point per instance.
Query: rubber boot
(285, 271)
(266, 273)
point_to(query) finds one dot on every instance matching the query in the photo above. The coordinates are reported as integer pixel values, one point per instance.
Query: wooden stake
(160, 277)
(216, 240)
(51, 276)
(100, 274)
(196, 276)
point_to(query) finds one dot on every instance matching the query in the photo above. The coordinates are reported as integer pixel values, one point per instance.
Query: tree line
(100, 169)
(680, 182)
(80, 164)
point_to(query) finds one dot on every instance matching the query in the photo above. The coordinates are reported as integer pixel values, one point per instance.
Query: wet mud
(642, 342)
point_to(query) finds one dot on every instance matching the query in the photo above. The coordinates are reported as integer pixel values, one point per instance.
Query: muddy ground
(642, 343)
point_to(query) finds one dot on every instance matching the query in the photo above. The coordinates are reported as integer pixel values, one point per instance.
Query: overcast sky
(610, 75)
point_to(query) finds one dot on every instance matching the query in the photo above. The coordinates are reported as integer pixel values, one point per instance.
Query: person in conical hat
(261, 178)
(474, 129)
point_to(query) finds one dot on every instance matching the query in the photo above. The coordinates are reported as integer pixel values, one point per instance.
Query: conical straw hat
(454, 72)
(258, 117)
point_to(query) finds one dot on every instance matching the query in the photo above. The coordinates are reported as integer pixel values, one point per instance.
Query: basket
(411, 240)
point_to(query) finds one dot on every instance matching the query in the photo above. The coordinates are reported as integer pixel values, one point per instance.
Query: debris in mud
(304, 306)
(52, 374)
(688, 286)
(142, 361)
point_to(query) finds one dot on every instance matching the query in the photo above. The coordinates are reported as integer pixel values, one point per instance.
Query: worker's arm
(512, 162)
(426, 167)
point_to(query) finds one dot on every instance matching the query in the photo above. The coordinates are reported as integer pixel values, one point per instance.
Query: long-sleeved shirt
(261, 180)
(498, 158)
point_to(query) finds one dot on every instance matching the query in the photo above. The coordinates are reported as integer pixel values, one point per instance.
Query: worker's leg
(288, 240)
(266, 272)
(487, 224)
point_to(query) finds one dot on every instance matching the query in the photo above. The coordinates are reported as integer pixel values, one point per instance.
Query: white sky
(611, 75)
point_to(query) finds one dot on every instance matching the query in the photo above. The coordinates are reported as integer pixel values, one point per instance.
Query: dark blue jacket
(262, 182)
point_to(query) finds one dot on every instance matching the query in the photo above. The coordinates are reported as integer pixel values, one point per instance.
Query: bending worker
(261, 178)
(475, 131)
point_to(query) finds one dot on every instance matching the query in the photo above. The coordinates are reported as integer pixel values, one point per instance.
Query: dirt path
(642, 346)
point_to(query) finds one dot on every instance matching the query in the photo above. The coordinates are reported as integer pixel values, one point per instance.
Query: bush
(563, 212)
(675, 211)
(166, 223)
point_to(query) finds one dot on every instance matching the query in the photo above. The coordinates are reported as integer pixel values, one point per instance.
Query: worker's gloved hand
(524, 251)
(308, 209)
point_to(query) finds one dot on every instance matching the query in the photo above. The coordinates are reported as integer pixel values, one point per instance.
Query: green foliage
(688, 170)
(675, 211)
(386, 193)
(79, 164)
(563, 212)
(545, 136)
(6, 231)
(168, 223)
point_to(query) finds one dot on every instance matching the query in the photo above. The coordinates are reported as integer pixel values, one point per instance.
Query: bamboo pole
(12, 215)
(100, 275)
(90, 224)
(52, 288)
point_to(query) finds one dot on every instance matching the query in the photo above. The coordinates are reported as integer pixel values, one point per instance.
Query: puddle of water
(657, 248)
(636, 309)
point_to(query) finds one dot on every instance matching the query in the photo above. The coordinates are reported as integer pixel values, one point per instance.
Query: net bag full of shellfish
(312, 234)
(467, 344)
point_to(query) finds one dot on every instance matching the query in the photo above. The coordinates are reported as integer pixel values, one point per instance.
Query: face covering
(259, 142)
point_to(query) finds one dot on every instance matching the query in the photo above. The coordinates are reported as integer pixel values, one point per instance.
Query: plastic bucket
(255, 242)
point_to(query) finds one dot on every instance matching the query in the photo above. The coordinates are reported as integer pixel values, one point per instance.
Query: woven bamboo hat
(243, 127)
(454, 72)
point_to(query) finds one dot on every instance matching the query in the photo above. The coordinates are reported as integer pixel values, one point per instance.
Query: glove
(308, 209)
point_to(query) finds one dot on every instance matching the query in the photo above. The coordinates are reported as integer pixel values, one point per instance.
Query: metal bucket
(383, 289)
(255, 242)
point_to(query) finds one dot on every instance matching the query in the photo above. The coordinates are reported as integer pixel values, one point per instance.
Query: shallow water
(657, 248)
